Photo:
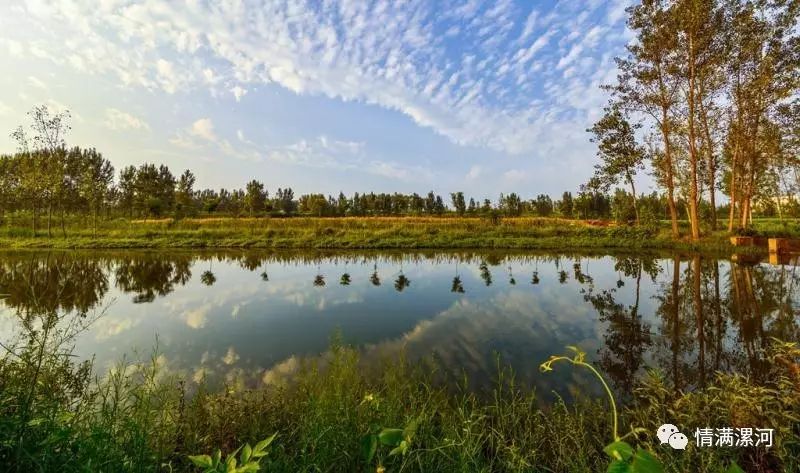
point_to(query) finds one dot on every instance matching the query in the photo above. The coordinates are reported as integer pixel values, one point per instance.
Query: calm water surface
(247, 318)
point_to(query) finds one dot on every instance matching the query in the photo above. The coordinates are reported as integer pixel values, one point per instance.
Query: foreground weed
(249, 459)
(624, 457)
(399, 440)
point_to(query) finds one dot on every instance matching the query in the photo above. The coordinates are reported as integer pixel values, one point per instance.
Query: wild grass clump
(337, 416)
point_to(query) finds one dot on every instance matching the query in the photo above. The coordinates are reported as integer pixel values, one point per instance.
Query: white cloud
(182, 141)
(573, 54)
(339, 146)
(167, 77)
(209, 77)
(203, 128)
(391, 170)
(118, 120)
(36, 82)
(617, 10)
(396, 55)
(474, 173)
(514, 175)
(321, 152)
(14, 48)
(238, 93)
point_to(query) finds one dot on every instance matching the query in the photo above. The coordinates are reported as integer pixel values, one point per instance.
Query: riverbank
(336, 416)
(522, 233)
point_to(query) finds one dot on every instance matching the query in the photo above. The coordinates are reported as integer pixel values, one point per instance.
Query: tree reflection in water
(627, 337)
(705, 321)
(36, 284)
(374, 278)
(457, 286)
(148, 276)
(401, 282)
(687, 316)
(486, 275)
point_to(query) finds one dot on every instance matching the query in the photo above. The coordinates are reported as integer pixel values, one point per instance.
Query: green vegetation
(713, 86)
(332, 415)
(371, 233)
(249, 459)
(70, 195)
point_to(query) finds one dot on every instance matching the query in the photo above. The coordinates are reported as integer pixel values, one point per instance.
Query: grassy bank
(55, 417)
(358, 233)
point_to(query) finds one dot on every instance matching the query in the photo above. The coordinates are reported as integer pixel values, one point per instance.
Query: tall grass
(356, 233)
(139, 418)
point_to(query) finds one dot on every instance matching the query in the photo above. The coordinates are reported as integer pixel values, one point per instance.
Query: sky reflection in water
(247, 318)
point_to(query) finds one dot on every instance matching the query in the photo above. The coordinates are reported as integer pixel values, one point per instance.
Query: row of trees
(707, 95)
(49, 180)
(46, 179)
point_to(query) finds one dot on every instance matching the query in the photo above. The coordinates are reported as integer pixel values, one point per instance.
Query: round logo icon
(664, 432)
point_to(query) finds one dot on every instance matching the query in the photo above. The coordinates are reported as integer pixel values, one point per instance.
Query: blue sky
(389, 95)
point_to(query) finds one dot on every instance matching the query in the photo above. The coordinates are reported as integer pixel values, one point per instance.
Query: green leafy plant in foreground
(249, 459)
(624, 457)
(398, 439)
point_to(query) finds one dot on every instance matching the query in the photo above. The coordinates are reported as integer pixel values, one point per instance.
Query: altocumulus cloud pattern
(505, 75)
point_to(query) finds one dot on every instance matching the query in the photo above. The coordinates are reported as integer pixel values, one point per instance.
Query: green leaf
(391, 437)
(734, 468)
(369, 445)
(618, 466)
(251, 467)
(246, 452)
(260, 446)
(217, 458)
(619, 450)
(400, 449)
(645, 462)
(230, 463)
(202, 461)
(35, 422)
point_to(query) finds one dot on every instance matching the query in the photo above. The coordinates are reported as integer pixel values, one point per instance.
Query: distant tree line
(47, 181)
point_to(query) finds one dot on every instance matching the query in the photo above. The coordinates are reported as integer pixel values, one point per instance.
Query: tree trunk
(633, 193)
(694, 222)
(712, 165)
(745, 211)
(49, 220)
(688, 212)
(732, 197)
(673, 211)
(747, 198)
(665, 133)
